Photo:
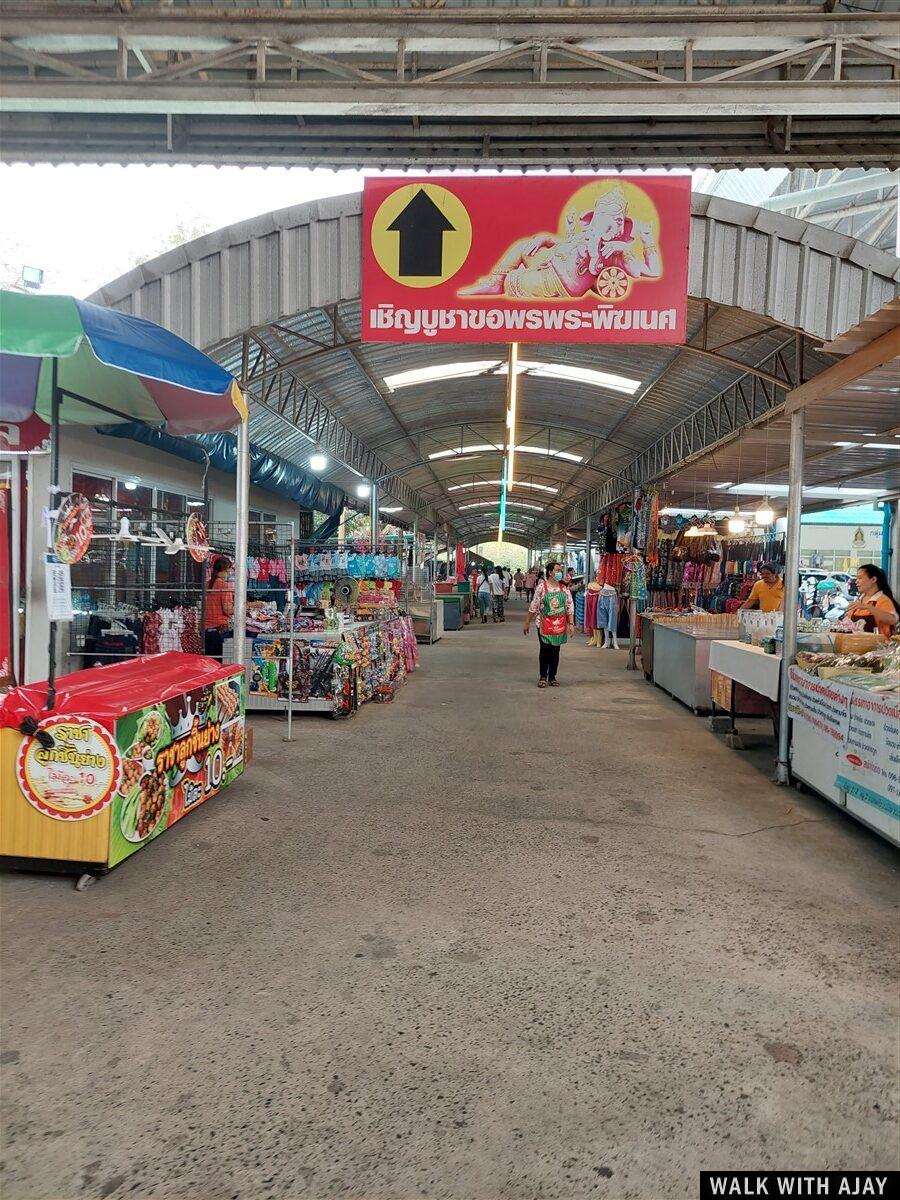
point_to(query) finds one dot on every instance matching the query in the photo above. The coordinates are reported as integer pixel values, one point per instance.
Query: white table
(744, 682)
(747, 665)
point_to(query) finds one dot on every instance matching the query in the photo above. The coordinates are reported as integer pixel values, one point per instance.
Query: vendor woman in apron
(555, 611)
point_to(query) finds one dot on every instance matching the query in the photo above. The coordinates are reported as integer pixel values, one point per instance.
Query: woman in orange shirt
(219, 606)
(876, 604)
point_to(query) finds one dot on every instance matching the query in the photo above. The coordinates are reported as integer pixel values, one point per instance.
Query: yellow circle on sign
(421, 235)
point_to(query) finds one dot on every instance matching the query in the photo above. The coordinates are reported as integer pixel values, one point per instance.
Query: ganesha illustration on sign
(599, 252)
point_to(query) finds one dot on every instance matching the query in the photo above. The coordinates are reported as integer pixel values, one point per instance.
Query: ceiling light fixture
(512, 392)
(736, 523)
(363, 490)
(764, 514)
(318, 462)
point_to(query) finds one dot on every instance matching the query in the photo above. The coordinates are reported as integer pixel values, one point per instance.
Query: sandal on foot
(554, 683)
(542, 683)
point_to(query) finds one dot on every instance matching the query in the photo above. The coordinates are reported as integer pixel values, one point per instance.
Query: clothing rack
(123, 581)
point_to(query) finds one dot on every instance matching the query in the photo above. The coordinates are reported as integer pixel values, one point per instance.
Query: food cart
(127, 751)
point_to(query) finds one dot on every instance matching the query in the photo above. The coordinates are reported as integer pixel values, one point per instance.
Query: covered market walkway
(504, 963)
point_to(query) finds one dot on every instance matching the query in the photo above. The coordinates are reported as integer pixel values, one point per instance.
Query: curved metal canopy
(276, 300)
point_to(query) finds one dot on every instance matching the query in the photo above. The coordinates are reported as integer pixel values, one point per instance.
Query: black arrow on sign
(421, 226)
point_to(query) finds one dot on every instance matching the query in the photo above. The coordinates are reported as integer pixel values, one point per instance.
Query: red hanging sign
(531, 259)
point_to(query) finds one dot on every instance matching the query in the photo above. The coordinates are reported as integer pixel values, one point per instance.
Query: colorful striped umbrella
(109, 366)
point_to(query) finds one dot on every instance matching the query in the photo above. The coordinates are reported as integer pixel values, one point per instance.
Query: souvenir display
(196, 538)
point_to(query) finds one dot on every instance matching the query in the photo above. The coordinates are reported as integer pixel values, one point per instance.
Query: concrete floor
(489, 943)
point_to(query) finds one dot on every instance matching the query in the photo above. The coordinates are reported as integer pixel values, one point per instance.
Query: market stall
(745, 675)
(76, 363)
(681, 652)
(327, 625)
(845, 732)
(127, 751)
(335, 664)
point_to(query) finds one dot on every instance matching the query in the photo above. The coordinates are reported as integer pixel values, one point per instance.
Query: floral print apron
(554, 617)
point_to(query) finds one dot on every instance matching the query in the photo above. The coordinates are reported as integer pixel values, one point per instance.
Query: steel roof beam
(582, 99)
(745, 403)
(758, 27)
(289, 398)
(377, 67)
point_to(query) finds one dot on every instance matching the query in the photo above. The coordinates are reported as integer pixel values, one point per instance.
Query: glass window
(95, 487)
(170, 502)
(133, 499)
(100, 492)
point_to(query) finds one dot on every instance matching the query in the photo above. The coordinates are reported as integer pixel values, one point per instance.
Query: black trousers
(549, 659)
(213, 643)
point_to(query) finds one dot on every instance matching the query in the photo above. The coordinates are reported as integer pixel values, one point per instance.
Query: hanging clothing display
(634, 580)
(607, 608)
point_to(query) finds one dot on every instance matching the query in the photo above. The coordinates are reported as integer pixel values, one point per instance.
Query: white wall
(92, 452)
(86, 450)
(839, 540)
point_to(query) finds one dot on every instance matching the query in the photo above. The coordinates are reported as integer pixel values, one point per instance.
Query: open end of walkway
(494, 943)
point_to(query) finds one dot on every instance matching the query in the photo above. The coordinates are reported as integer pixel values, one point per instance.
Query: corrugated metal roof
(755, 276)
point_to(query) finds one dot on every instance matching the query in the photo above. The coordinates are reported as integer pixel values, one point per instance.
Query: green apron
(554, 617)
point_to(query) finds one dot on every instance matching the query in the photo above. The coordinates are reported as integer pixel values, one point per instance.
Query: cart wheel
(800, 785)
(734, 741)
(85, 881)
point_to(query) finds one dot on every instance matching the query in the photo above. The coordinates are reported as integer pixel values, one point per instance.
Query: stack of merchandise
(876, 670)
(171, 629)
(263, 617)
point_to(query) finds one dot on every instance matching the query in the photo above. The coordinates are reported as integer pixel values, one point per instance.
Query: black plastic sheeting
(267, 471)
(327, 529)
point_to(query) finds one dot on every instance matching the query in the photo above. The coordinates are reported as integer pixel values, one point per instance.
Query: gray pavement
(485, 943)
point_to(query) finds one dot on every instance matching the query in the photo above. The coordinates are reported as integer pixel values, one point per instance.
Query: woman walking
(519, 582)
(484, 594)
(495, 579)
(555, 611)
(530, 583)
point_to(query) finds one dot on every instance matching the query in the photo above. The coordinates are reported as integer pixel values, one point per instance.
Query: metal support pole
(893, 567)
(289, 611)
(373, 517)
(791, 590)
(242, 522)
(587, 550)
(55, 402)
(632, 630)
(206, 521)
(415, 549)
